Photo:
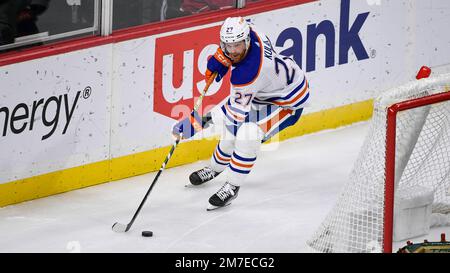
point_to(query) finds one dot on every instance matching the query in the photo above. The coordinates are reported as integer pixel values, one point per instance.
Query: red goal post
(390, 157)
(404, 163)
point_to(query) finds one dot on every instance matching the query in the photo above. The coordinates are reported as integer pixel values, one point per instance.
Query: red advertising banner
(180, 64)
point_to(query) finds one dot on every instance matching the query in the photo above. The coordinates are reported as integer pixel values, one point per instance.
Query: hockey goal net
(406, 152)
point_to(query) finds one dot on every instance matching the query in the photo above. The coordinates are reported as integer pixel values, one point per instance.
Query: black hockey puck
(147, 233)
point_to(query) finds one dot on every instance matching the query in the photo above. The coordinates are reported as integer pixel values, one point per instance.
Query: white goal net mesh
(355, 224)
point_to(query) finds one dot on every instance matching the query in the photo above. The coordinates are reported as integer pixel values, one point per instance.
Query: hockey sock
(222, 155)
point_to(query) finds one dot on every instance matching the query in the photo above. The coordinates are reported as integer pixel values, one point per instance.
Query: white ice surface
(287, 195)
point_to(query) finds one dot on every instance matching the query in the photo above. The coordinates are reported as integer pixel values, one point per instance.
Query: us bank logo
(180, 64)
(180, 60)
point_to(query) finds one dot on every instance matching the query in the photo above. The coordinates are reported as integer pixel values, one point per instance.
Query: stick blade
(118, 227)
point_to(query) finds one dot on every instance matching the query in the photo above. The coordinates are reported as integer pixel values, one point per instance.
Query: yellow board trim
(144, 162)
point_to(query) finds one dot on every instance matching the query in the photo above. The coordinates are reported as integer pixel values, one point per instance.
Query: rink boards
(104, 112)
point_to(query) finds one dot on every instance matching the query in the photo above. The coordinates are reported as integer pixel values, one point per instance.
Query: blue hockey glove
(218, 63)
(188, 127)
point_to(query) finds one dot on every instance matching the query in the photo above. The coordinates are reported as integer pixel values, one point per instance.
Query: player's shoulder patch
(248, 70)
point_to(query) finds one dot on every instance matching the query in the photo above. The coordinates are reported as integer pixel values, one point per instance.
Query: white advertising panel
(120, 99)
(350, 50)
(54, 113)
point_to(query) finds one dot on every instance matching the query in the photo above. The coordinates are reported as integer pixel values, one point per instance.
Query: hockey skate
(223, 197)
(202, 176)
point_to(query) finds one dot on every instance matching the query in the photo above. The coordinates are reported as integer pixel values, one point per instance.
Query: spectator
(18, 18)
(174, 10)
(27, 18)
(126, 13)
(197, 6)
(6, 20)
(160, 10)
(134, 13)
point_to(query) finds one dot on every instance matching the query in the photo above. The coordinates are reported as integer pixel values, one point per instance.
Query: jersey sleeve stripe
(285, 122)
(299, 99)
(302, 101)
(296, 99)
(295, 91)
(274, 121)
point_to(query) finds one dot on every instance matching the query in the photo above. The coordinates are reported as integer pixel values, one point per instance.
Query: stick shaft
(169, 155)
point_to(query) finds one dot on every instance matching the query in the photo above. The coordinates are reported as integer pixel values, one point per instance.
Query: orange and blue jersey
(267, 88)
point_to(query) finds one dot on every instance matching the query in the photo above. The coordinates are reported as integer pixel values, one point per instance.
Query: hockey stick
(118, 227)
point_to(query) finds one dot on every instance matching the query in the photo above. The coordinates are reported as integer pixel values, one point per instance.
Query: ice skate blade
(212, 207)
(190, 185)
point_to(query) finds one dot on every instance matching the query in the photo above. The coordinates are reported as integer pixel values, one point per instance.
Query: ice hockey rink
(292, 187)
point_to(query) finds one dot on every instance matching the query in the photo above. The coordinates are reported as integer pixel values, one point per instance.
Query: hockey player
(268, 94)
